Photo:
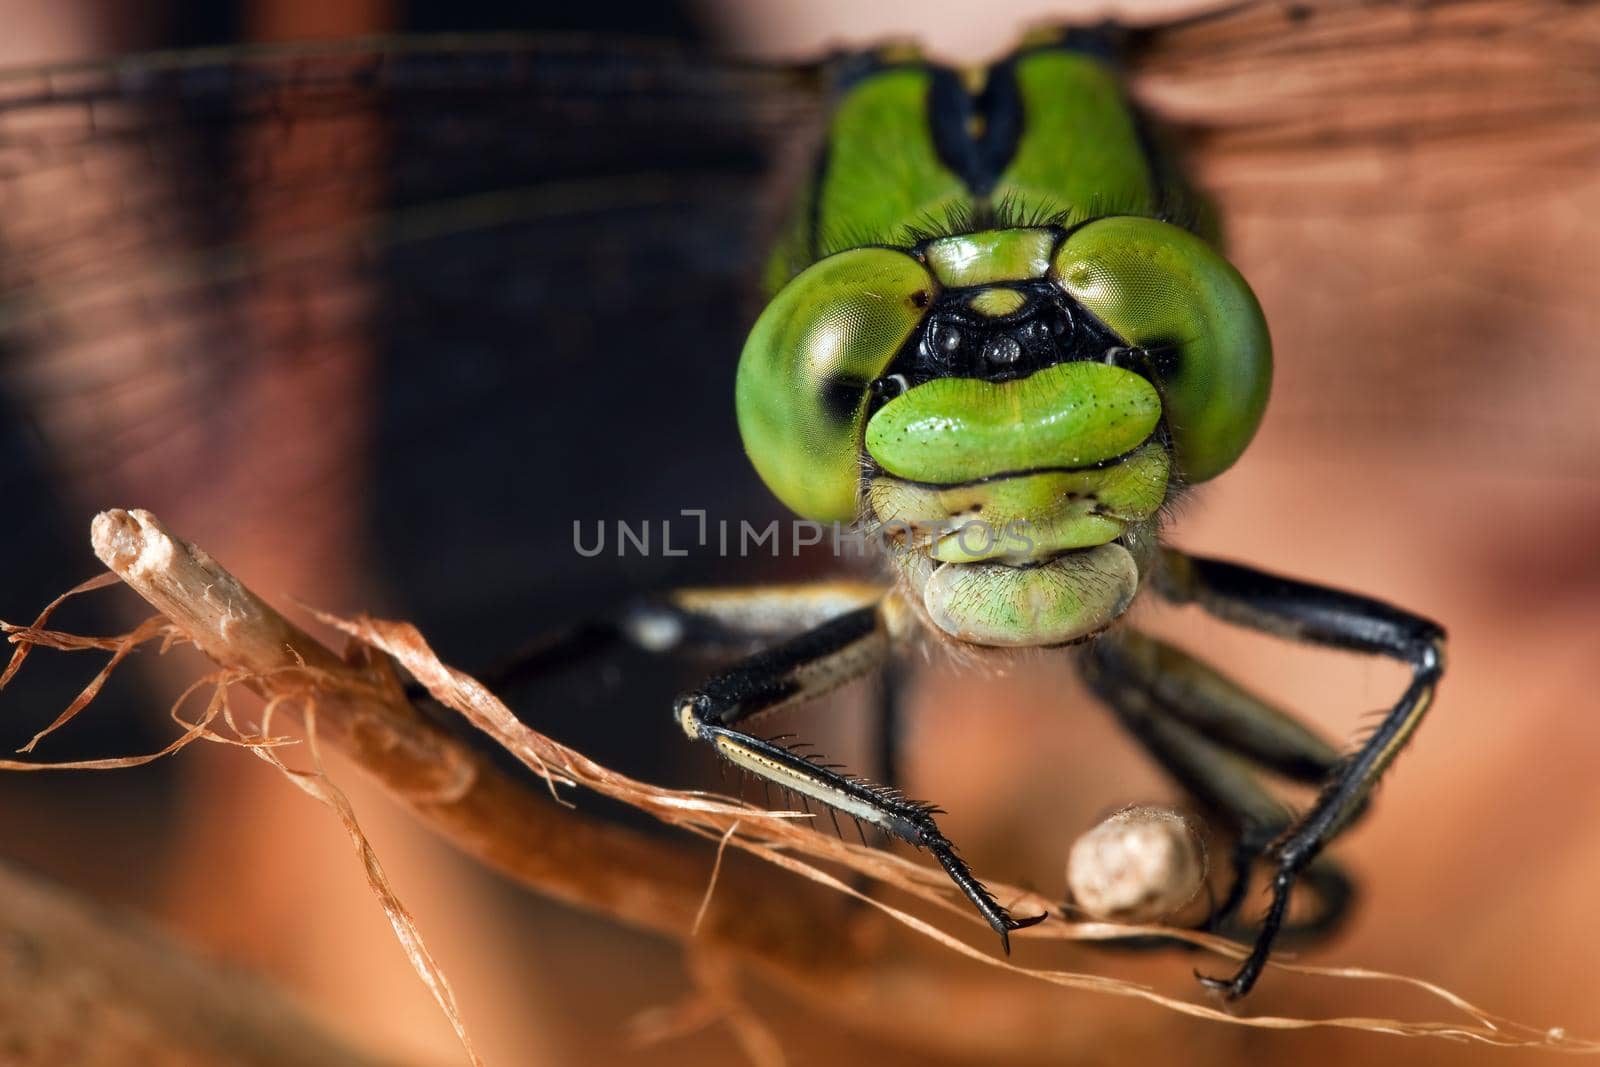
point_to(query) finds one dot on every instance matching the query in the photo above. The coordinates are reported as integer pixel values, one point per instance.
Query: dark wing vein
(460, 248)
(1412, 188)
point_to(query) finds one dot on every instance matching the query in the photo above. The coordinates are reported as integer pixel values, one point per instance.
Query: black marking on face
(841, 397)
(956, 341)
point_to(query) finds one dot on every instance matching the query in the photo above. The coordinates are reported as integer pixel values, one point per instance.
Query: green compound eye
(802, 389)
(1162, 288)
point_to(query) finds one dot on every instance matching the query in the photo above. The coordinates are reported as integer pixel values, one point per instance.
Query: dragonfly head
(1009, 408)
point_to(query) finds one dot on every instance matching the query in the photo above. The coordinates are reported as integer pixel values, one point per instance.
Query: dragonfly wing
(497, 277)
(1412, 188)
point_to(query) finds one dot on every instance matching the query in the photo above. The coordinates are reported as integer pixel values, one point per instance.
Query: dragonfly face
(1009, 404)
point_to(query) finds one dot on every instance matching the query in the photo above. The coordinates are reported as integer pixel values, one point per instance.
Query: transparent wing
(465, 289)
(1414, 190)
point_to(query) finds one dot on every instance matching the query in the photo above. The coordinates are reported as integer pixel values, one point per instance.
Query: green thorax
(1048, 134)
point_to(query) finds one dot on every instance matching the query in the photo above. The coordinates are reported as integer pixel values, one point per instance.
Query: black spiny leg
(718, 625)
(1213, 736)
(1321, 616)
(700, 623)
(801, 669)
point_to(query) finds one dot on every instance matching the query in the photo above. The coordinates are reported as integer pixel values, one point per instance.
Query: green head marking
(1024, 517)
(991, 256)
(960, 429)
(1080, 151)
(802, 388)
(996, 302)
(1164, 289)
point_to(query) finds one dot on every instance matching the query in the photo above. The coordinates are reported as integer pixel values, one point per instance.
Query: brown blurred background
(1431, 441)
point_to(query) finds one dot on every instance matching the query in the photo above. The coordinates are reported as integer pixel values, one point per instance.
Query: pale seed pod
(1139, 865)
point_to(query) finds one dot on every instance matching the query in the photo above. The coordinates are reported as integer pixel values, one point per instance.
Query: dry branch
(362, 710)
(799, 931)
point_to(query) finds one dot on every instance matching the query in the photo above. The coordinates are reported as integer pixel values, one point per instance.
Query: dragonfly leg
(799, 670)
(1212, 737)
(710, 623)
(1316, 615)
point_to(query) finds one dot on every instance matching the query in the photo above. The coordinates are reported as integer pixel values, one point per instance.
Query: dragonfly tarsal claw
(1011, 924)
(1228, 989)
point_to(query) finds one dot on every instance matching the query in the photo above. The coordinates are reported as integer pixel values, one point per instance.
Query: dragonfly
(989, 317)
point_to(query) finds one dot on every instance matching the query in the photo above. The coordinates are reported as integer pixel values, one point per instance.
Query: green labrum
(961, 429)
(1068, 598)
(1020, 542)
(1029, 516)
